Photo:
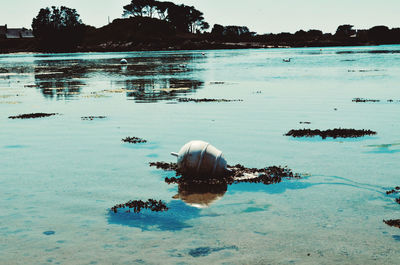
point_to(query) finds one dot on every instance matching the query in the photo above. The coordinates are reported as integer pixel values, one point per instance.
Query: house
(15, 33)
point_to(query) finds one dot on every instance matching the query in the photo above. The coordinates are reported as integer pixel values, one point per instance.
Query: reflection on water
(152, 90)
(145, 79)
(200, 195)
(172, 220)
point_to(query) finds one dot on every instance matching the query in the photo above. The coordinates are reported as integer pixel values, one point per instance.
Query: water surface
(60, 175)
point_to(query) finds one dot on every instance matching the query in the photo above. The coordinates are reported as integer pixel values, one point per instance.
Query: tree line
(60, 28)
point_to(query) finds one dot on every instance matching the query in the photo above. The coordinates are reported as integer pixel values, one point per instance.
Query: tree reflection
(60, 80)
(152, 90)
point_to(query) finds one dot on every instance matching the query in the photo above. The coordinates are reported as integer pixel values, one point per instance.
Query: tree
(186, 18)
(345, 31)
(58, 28)
(142, 8)
(162, 9)
(379, 34)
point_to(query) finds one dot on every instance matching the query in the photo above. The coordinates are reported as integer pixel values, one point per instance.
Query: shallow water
(60, 175)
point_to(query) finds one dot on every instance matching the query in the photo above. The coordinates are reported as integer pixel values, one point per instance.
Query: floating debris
(365, 100)
(395, 190)
(305, 122)
(137, 206)
(134, 140)
(198, 100)
(92, 118)
(334, 133)
(32, 115)
(394, 223)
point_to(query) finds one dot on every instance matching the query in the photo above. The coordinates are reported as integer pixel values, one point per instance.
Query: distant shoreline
(123, 47)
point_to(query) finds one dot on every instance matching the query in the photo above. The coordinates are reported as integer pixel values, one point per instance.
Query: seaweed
(138, 205)
(237, 174)
(205, 251)
(334, 133)
(395, 190)
(134, 140)
(198, 100)
(365, 100)
(33, 115)
(86, 118)
(394, 223)
(165, 166)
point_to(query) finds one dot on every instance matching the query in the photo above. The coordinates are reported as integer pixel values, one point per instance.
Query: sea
(60, 175)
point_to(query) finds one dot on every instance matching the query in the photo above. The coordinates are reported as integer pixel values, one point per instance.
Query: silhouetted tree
(186, 18)
(345, 31)
(379, 34)
(162, 9)
(58, 28)
(147, 8)
(232, 33)
(135, 8)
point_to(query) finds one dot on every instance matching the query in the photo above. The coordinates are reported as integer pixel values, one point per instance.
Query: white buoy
(201, 159)
(124, 61)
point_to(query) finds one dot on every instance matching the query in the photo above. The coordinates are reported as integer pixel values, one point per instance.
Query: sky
(261, 16)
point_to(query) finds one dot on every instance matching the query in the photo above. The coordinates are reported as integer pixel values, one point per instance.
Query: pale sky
(262, 16)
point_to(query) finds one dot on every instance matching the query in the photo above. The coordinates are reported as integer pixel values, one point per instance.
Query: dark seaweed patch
(395, 190)
(305, 122)
(134, 140)
(205, 251)
(33, 115)
(137, 206)
(394, 223)
(365, 100)
(363, 70)
(267, 176)
(334, 133)
(198, 100)
(164, 166)
(87, 118)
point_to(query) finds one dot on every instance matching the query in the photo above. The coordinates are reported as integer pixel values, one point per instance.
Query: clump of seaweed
(165, 166)
(358, 100)
(33, 115)
(334, 133)
(238, 174)
(395, 190)
(137, 206)
(394, 223)
(87, 118)
(198, 100)
(134, 140)
(305, 122)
